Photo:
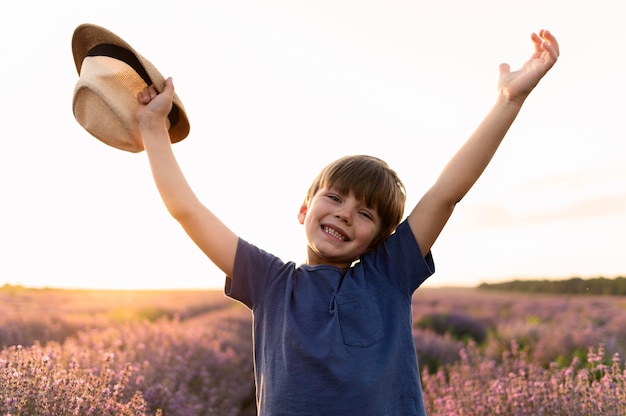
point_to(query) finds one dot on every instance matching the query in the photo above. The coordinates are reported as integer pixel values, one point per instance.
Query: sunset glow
(275, 90)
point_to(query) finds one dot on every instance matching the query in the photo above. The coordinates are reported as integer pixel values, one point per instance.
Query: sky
(274, 91)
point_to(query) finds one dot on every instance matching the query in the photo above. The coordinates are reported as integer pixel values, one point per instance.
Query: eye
(366, 214)
(333, 197)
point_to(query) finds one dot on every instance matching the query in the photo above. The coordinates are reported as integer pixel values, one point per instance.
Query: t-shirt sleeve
(400, 259)
(253, 273)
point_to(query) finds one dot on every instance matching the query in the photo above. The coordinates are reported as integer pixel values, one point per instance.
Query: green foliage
(575, 286)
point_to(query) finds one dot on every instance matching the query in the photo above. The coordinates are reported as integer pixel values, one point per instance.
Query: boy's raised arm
(216, 240)
(434, 209)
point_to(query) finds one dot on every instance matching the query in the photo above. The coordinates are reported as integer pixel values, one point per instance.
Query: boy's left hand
(516, 85)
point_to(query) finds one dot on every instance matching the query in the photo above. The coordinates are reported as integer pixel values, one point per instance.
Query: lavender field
(189, 353)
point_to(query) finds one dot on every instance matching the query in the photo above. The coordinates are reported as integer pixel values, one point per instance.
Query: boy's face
(339, 228)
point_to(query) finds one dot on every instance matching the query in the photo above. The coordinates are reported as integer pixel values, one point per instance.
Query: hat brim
(88, 36)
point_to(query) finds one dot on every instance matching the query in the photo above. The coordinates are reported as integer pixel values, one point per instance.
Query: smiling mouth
(334, 233)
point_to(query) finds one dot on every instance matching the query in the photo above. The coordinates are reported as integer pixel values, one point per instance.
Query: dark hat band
(126, 56)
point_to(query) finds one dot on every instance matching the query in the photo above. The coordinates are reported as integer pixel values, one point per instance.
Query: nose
(344, 215)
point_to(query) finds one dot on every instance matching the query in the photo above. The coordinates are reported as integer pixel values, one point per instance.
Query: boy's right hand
(154, 106)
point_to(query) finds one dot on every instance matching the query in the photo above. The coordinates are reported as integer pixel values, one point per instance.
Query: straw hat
(111, 73)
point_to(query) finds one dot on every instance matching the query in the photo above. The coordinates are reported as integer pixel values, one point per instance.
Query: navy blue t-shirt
(334, 342)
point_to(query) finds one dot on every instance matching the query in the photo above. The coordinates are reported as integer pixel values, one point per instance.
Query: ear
(302, 213)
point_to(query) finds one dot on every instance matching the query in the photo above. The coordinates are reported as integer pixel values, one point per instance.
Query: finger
(152, 91)
(550, 49)
(504, 69)
(537, 40)
(546, 42)
(169, 87)
(143, 96)
(551, 40)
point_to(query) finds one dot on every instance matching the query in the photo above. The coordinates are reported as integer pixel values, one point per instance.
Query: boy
(333, 336)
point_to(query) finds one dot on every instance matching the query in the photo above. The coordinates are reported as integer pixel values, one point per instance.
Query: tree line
(575, 285)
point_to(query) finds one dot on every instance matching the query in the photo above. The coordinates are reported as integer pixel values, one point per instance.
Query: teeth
(334, 233)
